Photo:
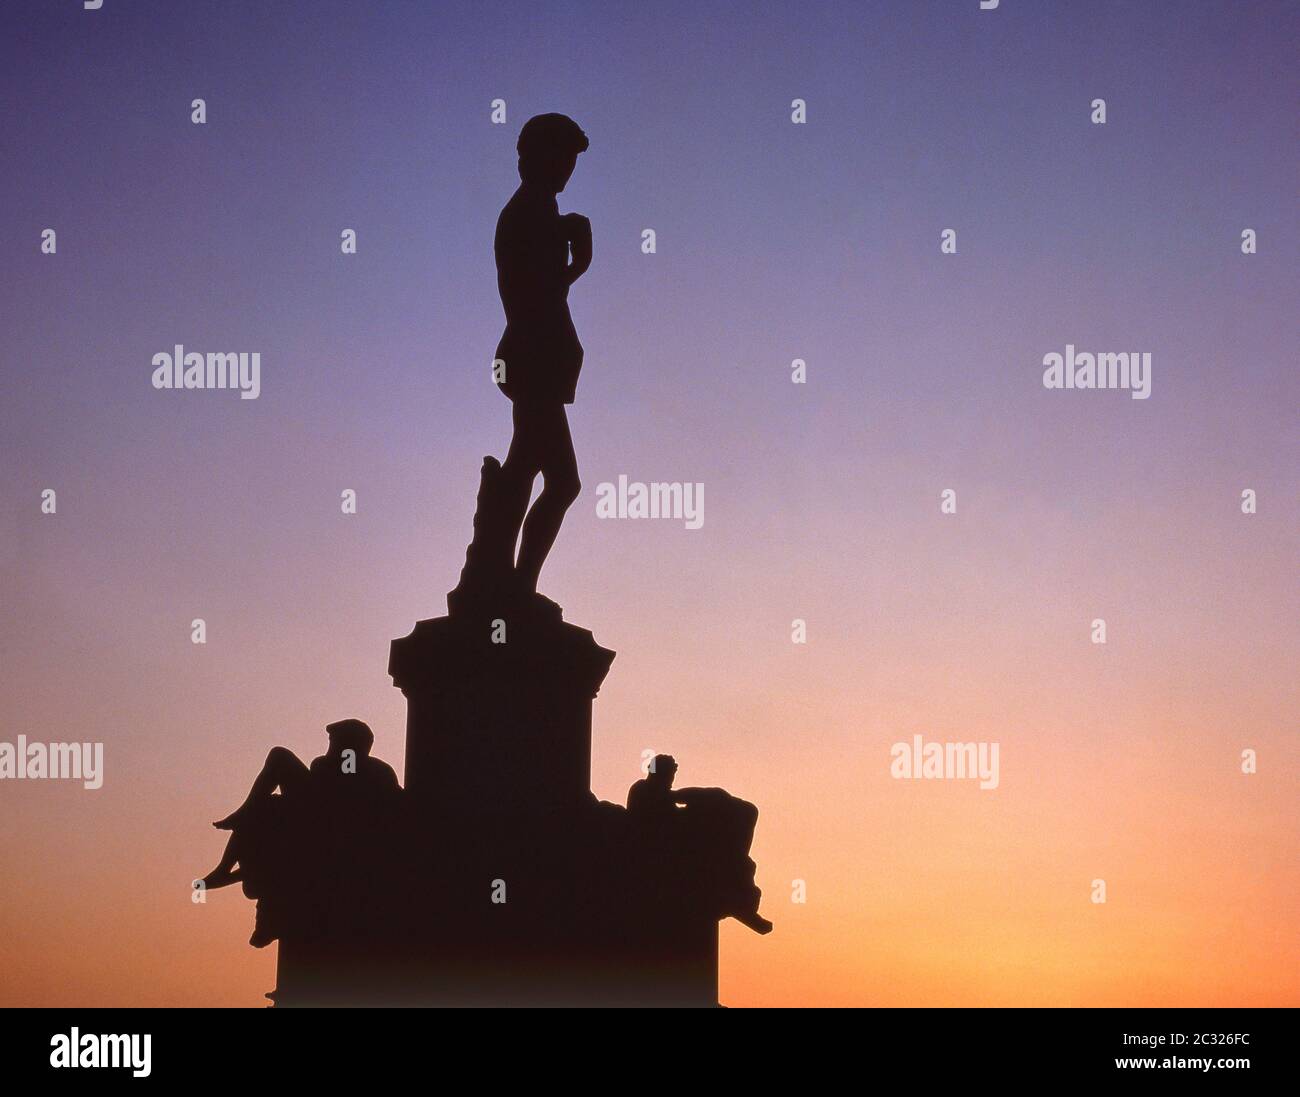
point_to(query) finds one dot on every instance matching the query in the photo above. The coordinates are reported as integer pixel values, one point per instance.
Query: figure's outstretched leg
(225, 873)
(754, 920)
(282, 769)
(560, 488)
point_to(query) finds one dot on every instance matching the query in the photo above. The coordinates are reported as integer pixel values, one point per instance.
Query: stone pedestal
(498, 781)
(502, 880)
(499, 712)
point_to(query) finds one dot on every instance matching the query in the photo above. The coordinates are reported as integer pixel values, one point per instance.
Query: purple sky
(775, 241)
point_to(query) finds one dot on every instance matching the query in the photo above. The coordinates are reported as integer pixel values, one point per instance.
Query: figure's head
(350, 735)
(663, 769)
(549, 145)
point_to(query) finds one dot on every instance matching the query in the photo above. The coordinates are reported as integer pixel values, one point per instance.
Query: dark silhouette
(706, 825)
(343, 797)
(539, 355)
(495, 877)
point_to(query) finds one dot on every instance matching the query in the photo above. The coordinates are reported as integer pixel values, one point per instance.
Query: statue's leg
(560, 487)
(520, 469)
(746, 819)
(225, 873)
(282, 769)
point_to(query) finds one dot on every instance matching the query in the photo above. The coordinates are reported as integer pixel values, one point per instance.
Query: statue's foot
(524, 590)
(545, 606)
(754, 921)
(229, 822)
(221, 877)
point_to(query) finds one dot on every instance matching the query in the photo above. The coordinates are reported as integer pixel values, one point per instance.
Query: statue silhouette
(540, 254)
(344, 797)
(495, 876)
(706, 826)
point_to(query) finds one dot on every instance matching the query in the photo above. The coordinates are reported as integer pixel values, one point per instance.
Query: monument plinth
(498, 711)
(498, 786)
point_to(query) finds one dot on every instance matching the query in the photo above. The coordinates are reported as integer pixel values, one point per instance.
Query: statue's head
(350, 735)
(549, 145)
(663, 768)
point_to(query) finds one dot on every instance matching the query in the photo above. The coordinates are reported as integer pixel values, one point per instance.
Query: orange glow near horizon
(918, 892)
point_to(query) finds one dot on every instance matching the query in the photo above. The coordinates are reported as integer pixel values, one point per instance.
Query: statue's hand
(577, 230)
(576, 227)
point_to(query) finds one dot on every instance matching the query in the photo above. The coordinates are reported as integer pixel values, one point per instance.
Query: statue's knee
(566, 490)
(278, 759)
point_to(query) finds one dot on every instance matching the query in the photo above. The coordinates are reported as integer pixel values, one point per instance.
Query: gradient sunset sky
(775, 241)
